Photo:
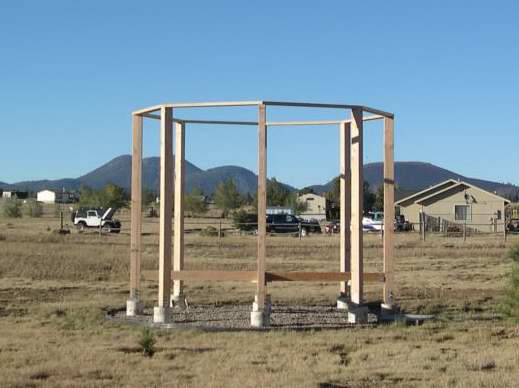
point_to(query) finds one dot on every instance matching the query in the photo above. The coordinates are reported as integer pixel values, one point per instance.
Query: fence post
(300, 231)
(464, 231)
(219, 232)
(504, 230)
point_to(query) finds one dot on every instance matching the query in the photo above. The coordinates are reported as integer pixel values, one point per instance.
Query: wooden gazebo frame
(351, 275)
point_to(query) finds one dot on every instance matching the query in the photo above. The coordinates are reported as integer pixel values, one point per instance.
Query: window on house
(498, 216)
(462, 213)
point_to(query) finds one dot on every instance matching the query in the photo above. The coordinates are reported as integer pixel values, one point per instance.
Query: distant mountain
(415, 176)
(118, 171)
(409, 176)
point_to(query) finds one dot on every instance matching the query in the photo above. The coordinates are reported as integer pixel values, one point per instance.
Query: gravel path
(237, 318)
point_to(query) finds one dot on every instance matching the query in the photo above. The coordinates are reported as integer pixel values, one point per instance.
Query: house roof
(426, 192)
(430, 194)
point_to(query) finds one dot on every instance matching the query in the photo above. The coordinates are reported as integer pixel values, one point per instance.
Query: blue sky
(71, 73)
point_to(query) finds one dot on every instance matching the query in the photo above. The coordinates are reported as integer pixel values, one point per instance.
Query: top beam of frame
(255, 103)
(330, 106)
(269, 124)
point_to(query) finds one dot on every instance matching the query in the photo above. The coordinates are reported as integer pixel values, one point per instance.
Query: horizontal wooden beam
(377, 112)
(269, 124)
(321, 122)
(250, 276)
(247, 276)
(213, 104)
(149, 109)
(320, 276)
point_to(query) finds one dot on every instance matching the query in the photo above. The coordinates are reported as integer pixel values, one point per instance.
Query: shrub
(147, 342)
(510, 304)
(12, 208)
(33, 209)
(210, 231)
(244, 221)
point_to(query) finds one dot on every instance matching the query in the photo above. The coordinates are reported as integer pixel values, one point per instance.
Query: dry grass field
(56, 290)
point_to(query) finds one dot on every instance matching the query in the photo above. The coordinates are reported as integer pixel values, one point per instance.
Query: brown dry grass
(55, 290)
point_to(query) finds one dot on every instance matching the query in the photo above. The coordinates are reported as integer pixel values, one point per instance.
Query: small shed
(316, 206)
(455, 202)
(46, 196)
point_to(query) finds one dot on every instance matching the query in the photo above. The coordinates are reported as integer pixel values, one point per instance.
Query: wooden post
(262, 206)
(180, 176)
(345, 203)
(136, 209)
(357, 206)
(389, 211)
(166, 206)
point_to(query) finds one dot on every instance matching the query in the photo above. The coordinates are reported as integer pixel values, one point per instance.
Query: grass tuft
(147, 342)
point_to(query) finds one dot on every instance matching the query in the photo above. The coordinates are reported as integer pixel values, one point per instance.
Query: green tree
(335, 192)
(227, 197)
(510, 304)
(293, 202)
(12, 208)
(306, 190)
(379, 198)
(111, 196)
(195, 202)
(148, 197)
(33, 208)
(277, 193)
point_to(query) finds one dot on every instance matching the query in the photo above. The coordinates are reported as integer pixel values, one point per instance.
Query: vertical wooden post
(136, 215)
(262, 206)
(357, 206)
(166, 206)
(345, 203)
(389, 211)
(178, 242)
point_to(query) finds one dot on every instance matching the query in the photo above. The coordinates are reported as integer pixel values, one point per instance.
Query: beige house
(456, 202)
(316, 207)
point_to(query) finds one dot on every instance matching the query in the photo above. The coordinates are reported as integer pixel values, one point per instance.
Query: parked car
(85, 218)
(332, 227)
(402, 225)
(287, 223)
(373, 222)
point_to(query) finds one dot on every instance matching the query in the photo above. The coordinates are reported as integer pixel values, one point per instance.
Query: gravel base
(237, 318)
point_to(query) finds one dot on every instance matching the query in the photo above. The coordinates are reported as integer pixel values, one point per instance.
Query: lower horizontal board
(251, 276)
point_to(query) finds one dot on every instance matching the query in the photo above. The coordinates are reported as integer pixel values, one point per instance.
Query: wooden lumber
(357, 193)
(262, 206)
(166, 205)
(389, 209)
(345, 201)
(275, 276)
(180, 176)
(136, 208)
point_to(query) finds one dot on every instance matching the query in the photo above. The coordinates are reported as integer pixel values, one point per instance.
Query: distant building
(15, 194)
(279, 210)
(50, 196)
(452, 204)
(316, 207)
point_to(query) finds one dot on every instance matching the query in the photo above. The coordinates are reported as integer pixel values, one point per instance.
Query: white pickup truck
(85, 218)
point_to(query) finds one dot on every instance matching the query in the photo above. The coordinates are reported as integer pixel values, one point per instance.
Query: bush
(12, 208)
(33, 209)
(147, 342)
(244, 221)
(510, 304)
(210, 231)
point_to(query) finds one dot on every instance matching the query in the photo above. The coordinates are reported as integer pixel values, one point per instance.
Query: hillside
(410, 176)
(415, 176)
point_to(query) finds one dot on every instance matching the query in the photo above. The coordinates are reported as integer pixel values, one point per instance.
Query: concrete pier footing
(161, 314)
(357, 313)
(133, 307)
